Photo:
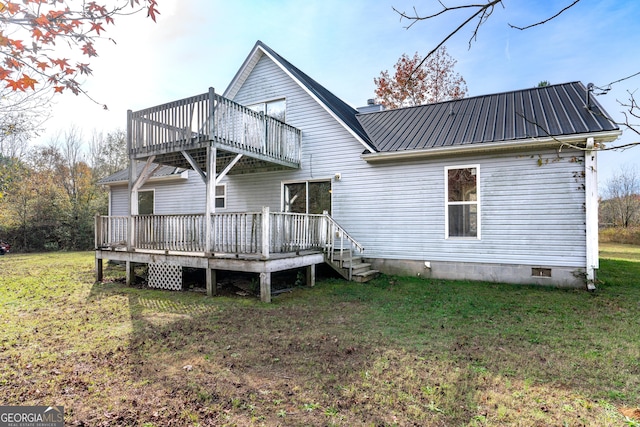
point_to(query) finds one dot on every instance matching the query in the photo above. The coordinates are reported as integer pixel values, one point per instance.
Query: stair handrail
(335, 230)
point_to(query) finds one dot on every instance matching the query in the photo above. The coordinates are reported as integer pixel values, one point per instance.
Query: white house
(499, 187)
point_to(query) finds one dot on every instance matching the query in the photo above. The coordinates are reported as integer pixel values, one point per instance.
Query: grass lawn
(395, 351)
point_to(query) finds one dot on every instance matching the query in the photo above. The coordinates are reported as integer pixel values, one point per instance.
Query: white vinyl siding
(173, 196)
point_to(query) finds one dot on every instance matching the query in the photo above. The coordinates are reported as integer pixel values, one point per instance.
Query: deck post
(133, 195)
(130, 273)
(266, 232)
(311, 275)
(265, 287)
(210, 207)
(98, 269)
(211, 282)
(210, 201)
(98, 231)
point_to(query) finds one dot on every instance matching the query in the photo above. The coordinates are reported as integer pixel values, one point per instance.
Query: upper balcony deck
(192, 124)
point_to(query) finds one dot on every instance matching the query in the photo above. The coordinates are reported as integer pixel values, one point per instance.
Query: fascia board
(485, 148)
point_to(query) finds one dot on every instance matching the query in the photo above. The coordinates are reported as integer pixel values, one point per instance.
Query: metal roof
(541, 112)
(123, 175)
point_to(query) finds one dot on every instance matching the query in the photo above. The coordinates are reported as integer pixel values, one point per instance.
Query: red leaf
(62, 63)
(27, 81)
(36, 33)
(97, 27)
(12, 63)
(152, 10)
(15, 85)
(13, 8)
(84, 68)
(88, 49)
(4, 73)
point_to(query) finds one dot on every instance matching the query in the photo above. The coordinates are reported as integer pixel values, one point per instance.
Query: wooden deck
(178, 134)
(257, 242)
(217, 137)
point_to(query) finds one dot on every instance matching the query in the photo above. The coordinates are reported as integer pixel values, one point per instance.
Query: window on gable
(462, 202)
(221, 196)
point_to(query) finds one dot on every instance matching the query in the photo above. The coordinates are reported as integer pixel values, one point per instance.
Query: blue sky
(345, 44)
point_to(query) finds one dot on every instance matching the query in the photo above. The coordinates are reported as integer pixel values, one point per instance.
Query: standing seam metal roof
(541, 112)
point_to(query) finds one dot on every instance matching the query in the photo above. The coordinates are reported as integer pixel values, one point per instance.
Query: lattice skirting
(165, 276)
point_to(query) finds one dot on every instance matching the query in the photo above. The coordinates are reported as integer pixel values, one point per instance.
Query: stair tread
(366, 273)
(356, 265)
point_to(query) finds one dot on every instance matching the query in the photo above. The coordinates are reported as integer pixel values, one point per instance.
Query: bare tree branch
(544, 21)
(483, 11)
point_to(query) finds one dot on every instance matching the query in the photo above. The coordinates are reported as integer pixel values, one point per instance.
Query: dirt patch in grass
(394, 352)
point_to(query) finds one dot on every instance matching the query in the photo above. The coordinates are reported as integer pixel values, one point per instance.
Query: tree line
(49, 194)
(620, 206)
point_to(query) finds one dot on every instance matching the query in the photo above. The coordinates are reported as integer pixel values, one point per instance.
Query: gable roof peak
(336, 107)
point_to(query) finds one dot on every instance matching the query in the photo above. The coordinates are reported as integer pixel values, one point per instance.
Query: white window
(221, 196)
(309, 197)
(462, 202)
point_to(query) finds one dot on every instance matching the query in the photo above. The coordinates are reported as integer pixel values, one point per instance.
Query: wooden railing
(183, 124)
(183, 233)
(258, 233)
(292, 232)
(340, 246)
(111, 231)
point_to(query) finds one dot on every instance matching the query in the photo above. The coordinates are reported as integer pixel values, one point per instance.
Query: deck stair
(352, 267)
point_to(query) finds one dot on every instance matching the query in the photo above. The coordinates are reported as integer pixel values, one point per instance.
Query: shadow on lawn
(316, 361)
(238, 361)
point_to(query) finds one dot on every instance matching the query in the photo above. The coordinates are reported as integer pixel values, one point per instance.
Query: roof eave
(484, 148)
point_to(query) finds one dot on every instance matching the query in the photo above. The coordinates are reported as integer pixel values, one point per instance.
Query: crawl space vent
(541, 272)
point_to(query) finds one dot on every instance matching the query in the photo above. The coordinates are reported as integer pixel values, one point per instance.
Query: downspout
(591, 214)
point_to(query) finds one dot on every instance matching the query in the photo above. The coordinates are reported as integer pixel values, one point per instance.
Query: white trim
(477, 203)
(490, 147)
(591, 212)
(223, 197)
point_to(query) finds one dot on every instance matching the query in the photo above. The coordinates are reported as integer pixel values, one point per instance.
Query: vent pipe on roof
(589, 90)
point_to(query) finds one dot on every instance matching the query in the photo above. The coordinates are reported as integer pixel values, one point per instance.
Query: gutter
(492, 147)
